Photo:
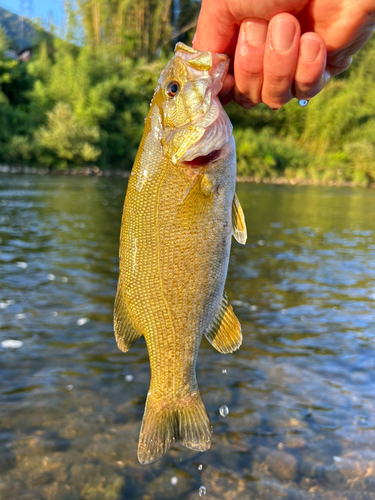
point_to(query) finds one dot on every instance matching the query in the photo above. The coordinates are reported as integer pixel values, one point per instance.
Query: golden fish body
(179, 215)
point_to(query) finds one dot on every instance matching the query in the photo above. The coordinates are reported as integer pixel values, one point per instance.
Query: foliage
(262, 155)
(83, 99)
(67, 138)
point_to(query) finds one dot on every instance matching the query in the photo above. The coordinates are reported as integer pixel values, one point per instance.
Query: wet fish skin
(174, 248)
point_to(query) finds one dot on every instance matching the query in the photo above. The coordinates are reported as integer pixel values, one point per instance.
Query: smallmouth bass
(179, 215)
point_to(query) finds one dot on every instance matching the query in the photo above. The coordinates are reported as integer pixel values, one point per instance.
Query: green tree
(66, 139)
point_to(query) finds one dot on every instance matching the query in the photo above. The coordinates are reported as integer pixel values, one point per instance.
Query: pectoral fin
(125, 333)
(225, 331)
(238, 221)
(197, 201)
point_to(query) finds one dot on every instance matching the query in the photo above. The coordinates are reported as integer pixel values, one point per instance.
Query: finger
(280, 60)
(219, 19)
(226, 92)
(310, 76)
(216, 28)
(337, 65)
(248, 62)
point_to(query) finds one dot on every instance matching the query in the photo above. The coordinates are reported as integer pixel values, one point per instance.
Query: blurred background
(76, 79)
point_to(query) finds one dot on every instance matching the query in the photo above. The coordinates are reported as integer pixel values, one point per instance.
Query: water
(300, 390)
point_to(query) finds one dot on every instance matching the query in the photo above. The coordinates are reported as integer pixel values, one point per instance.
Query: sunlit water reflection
(300, 391)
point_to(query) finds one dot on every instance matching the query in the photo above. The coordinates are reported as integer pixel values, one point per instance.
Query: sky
(41, 8)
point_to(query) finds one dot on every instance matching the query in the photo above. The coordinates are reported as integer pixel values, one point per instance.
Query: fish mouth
(202, 161)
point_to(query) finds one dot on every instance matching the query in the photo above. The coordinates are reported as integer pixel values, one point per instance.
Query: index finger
(217, 29)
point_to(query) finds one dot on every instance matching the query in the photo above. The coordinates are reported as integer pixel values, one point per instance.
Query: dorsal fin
(238, 221)
(125, 333)
(224, 332)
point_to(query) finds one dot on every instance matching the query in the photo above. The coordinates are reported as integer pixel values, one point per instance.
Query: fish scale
(174, 250)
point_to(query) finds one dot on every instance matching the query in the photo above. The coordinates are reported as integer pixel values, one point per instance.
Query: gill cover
(194, 121)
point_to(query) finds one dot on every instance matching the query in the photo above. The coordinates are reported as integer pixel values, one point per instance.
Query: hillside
(19, 30)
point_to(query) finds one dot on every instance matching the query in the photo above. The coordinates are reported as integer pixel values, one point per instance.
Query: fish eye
(173, 88)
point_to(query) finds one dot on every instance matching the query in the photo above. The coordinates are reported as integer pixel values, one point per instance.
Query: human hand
(272, 62)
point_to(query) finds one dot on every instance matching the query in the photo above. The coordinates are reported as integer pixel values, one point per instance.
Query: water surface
(300, 392)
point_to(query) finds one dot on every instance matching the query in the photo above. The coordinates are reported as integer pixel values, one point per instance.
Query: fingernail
(255, 32)
(309, 49)
(282, 35)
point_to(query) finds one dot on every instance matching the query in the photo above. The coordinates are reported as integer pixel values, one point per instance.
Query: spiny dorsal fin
(125, 333)
(238, 221)
(225, 331)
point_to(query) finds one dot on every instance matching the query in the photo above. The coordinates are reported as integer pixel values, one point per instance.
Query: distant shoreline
(97, 172)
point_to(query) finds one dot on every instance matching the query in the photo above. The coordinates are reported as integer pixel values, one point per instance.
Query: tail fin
(166, 422)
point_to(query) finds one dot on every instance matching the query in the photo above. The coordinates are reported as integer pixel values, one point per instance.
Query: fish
(180, 213)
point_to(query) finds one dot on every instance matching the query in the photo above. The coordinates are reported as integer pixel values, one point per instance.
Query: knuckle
(308, 80)
(276, 101)
(306, 86)
(250, 69)
(246, 100)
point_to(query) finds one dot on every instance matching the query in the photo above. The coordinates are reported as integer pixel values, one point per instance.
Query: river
(300, 391)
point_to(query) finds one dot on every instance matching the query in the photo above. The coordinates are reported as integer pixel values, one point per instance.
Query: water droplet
(82, 321)
(129, 378)
(260, 243)
(202, 491)
(64, 279)
(174, 480)
(51, 277)
(224, 370)
(303, 102)
(253, 308)
(21, 265)
(54, 314)
(224, 410)
(200, 467)
(69, 387)
(12, 344)
(20, 316)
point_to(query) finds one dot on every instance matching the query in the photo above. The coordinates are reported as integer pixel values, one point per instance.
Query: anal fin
(224, 332)
(238, 221)
(125, 333)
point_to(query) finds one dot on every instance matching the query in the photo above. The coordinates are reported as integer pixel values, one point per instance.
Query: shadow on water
(300, 392)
